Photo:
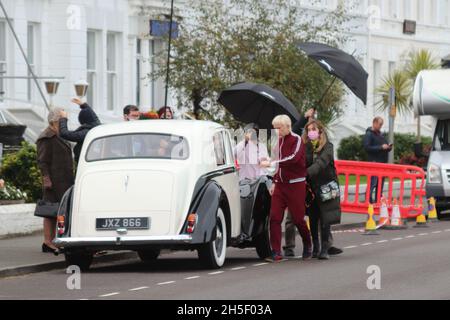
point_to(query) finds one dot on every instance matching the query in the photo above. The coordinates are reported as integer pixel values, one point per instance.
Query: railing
(401, 174)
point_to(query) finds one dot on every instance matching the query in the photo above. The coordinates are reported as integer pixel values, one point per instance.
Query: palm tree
(401, 83)
(418, 61)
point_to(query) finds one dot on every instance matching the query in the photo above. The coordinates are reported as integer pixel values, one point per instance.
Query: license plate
(123, 223)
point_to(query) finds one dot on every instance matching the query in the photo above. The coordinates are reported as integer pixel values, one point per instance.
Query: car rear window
(138, 146)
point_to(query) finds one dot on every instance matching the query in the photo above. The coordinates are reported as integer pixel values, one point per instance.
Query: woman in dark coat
(88, 120)
(54, 157)
(321, 171)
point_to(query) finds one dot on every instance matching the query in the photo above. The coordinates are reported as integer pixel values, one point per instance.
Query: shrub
(9, 192)
(351, 148)
(20, 169)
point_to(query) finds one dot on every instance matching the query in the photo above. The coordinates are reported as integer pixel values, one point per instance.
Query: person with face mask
(250, 153)
(321, 172)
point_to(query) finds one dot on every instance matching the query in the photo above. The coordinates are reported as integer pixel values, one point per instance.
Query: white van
(432, 98)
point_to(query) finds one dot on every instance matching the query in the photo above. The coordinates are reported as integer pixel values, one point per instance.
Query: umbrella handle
(325, 93)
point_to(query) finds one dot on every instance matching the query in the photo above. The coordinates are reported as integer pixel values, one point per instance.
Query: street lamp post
(52, 89)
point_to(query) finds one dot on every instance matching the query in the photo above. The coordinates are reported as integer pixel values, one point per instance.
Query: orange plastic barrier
(388, 172)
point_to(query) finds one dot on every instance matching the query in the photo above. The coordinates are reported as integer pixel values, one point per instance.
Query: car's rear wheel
(81, 259)
(149, 255)
(213, 254)
(262, 241)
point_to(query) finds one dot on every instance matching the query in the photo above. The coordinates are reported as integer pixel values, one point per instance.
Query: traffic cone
(432, 212)
(371, 225)
(421, 221)
(384, 215)
(396, 219)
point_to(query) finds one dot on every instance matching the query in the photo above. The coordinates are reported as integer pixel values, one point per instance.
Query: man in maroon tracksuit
(289, 187)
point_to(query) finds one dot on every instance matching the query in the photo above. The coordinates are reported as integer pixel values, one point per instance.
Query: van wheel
(212, 254)
(262, 242)
(81, 259)
(149, 255)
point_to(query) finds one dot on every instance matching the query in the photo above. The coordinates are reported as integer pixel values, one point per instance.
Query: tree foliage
(225, 42)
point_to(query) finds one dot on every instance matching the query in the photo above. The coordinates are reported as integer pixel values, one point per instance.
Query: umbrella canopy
(339, 64)
(258, 103)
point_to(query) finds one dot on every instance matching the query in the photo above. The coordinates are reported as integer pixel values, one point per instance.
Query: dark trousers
(374, 189)
(292, 197)
(317, 228)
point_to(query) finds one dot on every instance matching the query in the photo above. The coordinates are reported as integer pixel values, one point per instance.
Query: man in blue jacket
(377, 148)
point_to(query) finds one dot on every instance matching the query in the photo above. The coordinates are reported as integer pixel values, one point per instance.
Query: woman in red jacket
(289, 187)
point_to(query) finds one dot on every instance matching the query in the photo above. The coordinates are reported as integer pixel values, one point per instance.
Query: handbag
(329, 191)
(46, 209)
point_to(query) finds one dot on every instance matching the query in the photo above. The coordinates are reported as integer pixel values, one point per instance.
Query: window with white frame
(138, 70)
(419, 10)
(111, 64)
(376, 74)
(407, 9)
(433, 12)
(152, 68)
(92, 68)
(445, 12)
(3, 63)
(392, 66)
(31, 55)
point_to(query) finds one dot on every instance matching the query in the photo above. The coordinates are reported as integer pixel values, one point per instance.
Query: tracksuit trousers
(291, 196)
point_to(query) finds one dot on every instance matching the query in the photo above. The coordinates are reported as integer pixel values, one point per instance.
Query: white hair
(282, 120)
(54, 115)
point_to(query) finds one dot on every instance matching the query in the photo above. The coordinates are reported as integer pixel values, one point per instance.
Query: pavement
(402, 264)
(22, 255)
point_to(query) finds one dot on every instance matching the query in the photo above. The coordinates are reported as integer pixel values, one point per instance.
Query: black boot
(316, 249)
(324, 252)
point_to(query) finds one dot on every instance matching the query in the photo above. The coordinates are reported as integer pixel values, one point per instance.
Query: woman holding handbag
(55, 161)
(325, 209)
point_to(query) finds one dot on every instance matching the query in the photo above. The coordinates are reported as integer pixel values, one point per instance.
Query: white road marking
(192, 278)
(436, 232)
(164, 283)
(109, 294)
(382, 241)
(260, 264)
(138, 289)
(238, 268)
(215, 273)
(423, 234)
(366, 244)
(448, 230)
(83, 300)
(397, 239)
(350, 247)
(410, 237)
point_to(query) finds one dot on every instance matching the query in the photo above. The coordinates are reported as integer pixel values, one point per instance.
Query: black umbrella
(257, 103)
(339, 64)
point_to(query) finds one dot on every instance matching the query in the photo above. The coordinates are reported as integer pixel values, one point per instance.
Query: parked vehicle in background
(432, 98)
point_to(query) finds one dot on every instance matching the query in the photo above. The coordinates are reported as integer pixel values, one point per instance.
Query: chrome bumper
(122, 241)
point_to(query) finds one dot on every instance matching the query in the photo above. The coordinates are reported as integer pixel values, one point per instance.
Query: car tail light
(61, 225)
(192, 221)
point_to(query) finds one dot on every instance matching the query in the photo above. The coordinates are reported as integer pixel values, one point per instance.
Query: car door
(229, 181)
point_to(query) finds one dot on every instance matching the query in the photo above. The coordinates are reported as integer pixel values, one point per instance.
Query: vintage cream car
(161, 184)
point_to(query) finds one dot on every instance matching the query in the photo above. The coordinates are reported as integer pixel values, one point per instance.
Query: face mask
(313, 135)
